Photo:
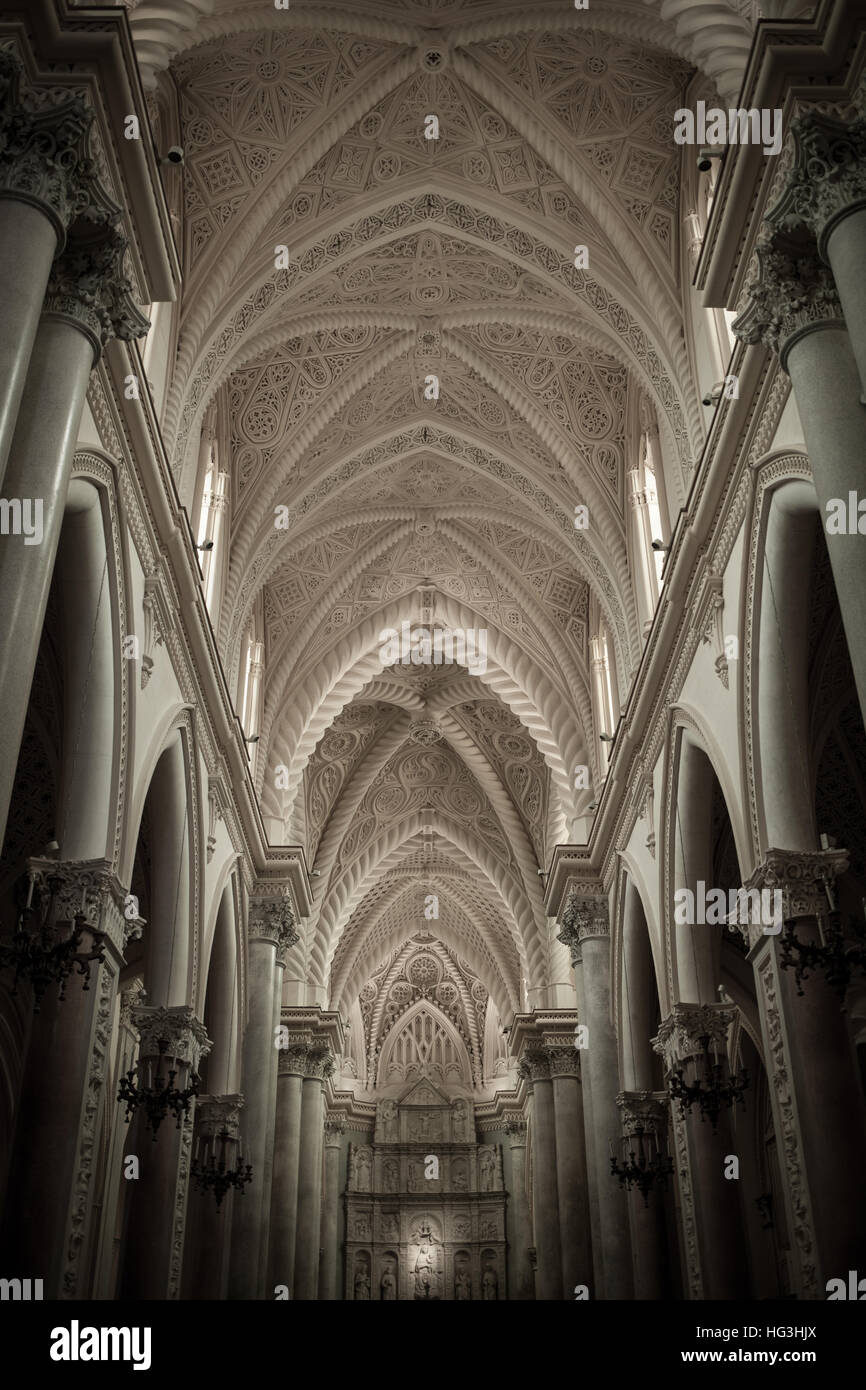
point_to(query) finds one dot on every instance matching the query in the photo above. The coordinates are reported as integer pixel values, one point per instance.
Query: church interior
(433, 656)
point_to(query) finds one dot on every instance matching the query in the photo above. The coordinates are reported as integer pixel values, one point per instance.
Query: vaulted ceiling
(407, 258)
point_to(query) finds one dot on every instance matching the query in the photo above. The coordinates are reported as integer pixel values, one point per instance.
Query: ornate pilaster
(792, 295)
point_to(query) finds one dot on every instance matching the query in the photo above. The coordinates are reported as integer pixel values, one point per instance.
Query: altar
(425, 1205)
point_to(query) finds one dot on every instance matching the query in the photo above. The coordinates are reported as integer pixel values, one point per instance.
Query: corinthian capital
(177, 1028)
(828, 180)
(272, 919)
(583, 918)
(681, 1035)
(793, 293)
(44, 156)
(534, 1066)
(87, 282)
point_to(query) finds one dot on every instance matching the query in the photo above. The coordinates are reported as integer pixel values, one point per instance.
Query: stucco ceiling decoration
(408, 261)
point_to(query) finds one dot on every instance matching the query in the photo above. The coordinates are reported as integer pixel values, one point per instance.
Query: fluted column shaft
(287, 1147)
(586, 932)
(548, 1279)
(310, 1176)
(270, 932)
(329, 1266)
(520, 1269)
(570, 1167)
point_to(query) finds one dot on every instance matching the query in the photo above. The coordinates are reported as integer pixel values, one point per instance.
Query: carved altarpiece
(418, 1237)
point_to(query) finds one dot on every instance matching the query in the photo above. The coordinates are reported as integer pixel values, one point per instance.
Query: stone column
(647, 1112)
(206, 1260)
(814, 1087)
(716, 1264)
(826, 192)
(48, 1218)
(287, 1147)
(270, 931)
(329, 1268)
(587, 934)
(318, 1065)
(794, 308)
(570, 1164)
(87, 302)
(520, 1242)
(156, 1228)
(535, 1068)
(43, 171)
(105, 1272)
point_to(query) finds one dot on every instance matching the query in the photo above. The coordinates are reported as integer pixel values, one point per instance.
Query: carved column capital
(87, 888)
(216, 1113)
(514, 1124)
(562, 1057)
(272, 919)
(583, 918)
(681, 1034)
(802, 877)
(792, 294)
(178, 1027)
(646, 1110)
(87, 283)
(828, 179)
(534, 1066)
(44, 157)
(335, 1127)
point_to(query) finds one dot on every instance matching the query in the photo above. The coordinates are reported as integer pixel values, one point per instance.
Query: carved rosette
(44, 156)
(335, 1127)
(583, 918)
(215, 1113)
(680, 1035)
(803, 878)
(272, 919)
(178, 1027)
(425, 731)
(646, 1110)
(87, 283)
(534, 1066)
(828, 178)
(793, 293)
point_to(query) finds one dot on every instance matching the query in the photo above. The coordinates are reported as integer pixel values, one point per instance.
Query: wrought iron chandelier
(158, 1095)
(709, 1091)
(836, 953)
(643, 1169)
(210, 1172)
(45, 949)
